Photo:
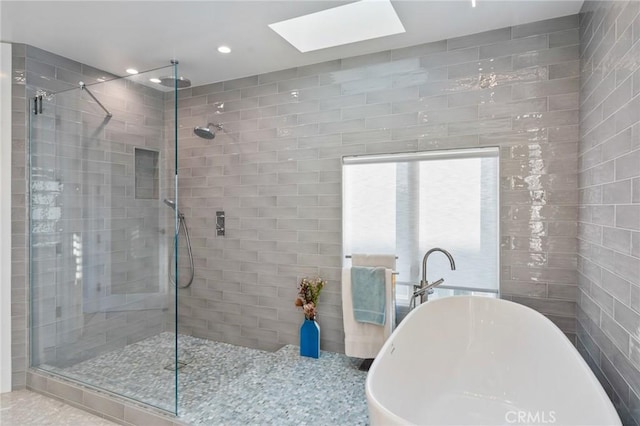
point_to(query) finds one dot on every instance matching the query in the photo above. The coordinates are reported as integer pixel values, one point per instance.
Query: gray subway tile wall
(276, 171)
(609, 215)
(19, 225)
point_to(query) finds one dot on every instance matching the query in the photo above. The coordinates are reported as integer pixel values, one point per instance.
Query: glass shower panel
(102, 306)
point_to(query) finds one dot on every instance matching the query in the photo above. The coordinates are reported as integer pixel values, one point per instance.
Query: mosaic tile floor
(233, 385)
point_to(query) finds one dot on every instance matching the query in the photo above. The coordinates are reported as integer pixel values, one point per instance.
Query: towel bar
(348, 256)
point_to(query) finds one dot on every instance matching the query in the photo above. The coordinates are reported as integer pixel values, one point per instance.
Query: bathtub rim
(396, 419)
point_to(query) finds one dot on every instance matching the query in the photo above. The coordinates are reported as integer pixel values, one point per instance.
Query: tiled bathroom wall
(609, 219)
(19, 224)
(276, 171)
(98, 270)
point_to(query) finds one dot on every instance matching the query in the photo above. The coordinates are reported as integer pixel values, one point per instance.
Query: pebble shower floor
(233, 385)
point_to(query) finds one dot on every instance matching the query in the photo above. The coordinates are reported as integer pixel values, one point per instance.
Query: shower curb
(109, 406)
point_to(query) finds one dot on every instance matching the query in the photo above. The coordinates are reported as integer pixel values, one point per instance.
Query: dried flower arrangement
(308, 293)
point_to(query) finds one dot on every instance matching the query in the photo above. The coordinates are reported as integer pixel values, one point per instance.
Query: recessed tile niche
(147, 174)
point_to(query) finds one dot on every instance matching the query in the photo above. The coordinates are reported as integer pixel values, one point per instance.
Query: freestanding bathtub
(481, 361)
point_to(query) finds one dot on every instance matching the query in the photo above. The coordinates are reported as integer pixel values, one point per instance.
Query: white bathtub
(481, 361)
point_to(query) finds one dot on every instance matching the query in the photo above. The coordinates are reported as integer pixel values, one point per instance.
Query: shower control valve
(220, 223)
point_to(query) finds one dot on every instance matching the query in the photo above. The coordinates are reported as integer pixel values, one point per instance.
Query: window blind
(408, 203)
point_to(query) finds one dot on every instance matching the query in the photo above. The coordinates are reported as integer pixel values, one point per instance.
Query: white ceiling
(116, 35)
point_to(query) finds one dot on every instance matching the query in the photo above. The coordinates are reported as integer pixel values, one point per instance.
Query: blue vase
(310, 339)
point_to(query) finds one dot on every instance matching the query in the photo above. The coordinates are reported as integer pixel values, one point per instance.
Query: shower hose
(182, 227)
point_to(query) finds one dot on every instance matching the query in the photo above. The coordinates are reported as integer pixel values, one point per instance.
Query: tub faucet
(425, 288)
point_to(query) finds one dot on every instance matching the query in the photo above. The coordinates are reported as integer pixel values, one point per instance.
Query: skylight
(362, 20)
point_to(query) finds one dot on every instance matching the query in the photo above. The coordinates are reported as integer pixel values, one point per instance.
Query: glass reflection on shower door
(102, 307)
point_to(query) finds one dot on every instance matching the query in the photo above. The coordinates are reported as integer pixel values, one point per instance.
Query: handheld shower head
(208, 132)
(170, 203)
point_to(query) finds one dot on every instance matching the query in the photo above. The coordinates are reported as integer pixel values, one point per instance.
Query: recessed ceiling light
(154, 80)
(132, 71)
(224, 49)
(362, 20)
(473, 3)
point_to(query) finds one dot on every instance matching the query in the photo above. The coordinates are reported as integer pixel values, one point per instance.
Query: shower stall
(103, 258)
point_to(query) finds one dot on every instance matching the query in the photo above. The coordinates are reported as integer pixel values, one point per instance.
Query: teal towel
(368, 294)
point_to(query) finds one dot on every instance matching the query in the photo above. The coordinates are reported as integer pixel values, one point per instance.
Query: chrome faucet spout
(426, 257)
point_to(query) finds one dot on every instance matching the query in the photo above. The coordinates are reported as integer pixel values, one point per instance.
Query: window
(408, 203)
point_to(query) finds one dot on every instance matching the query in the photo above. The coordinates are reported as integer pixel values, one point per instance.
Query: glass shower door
(103, 310)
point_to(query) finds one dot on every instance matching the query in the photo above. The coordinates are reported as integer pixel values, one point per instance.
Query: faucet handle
(435, 283)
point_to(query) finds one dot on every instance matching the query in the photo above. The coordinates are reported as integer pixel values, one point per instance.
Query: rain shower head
(208, 132)
(171, 81)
